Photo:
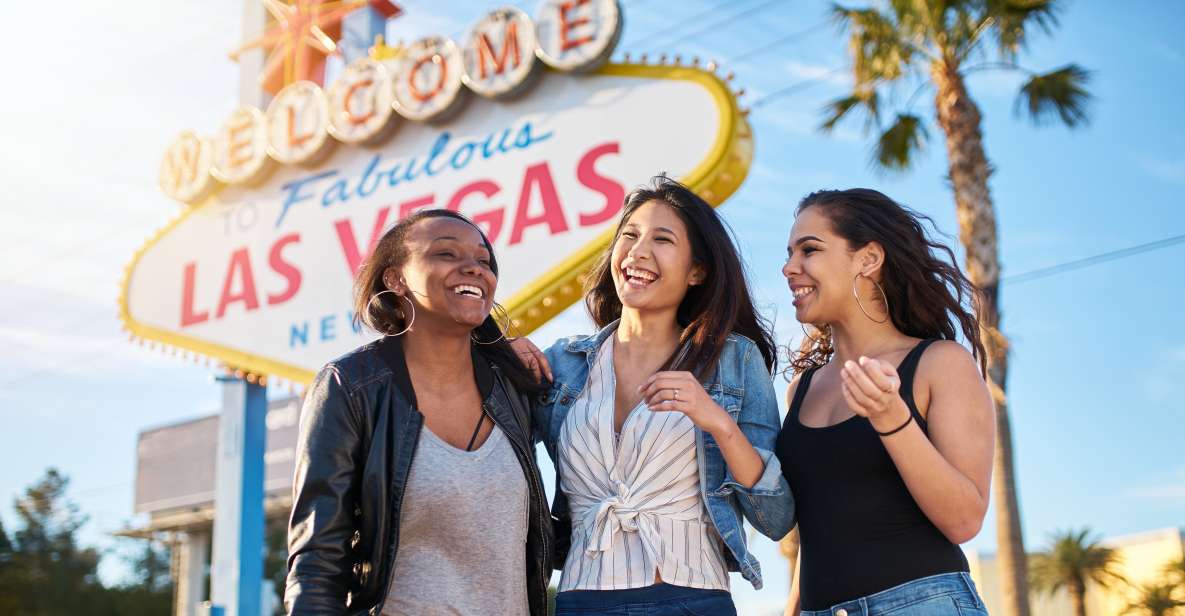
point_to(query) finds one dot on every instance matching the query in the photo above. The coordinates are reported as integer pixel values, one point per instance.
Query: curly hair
(927, 293)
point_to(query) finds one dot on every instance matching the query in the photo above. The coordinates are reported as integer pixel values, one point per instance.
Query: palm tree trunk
(959, 118)
(1077, 592)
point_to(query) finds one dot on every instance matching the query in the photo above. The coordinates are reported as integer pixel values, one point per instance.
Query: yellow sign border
(717, 177)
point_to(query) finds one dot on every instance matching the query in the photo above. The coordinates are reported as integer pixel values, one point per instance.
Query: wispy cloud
(1169, 491)
(1165, 169)
(832, 74)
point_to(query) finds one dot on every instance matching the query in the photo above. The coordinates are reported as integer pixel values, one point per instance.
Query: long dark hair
(927, 293)
(711, 310)
(385, 313)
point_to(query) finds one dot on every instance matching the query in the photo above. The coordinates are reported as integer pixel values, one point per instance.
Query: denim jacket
(742, 386)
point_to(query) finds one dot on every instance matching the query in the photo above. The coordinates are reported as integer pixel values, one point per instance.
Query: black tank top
(861, 531)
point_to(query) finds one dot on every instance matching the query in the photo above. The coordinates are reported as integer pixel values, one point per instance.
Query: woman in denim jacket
(662, 424)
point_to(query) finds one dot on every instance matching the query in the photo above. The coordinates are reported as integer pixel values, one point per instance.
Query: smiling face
(820, 267)
(652, 263)
(447, 273)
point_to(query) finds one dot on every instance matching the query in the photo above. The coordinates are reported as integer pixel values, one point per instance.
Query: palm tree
(1156, 600)
(1073, 560)
(934, 45)
(1174, 572)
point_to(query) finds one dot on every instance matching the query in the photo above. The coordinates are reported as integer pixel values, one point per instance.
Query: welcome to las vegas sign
(523, 126)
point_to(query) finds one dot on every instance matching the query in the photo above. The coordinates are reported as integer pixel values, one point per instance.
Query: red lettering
(411, 205)
(614, 192)
(345, 236)
(485, 50)
(553, 213)
(292, 275)
(418, 94)
(240, 264)
(188, 315)
(181, 162)
(355, 118)
(567, 26)
(295, 140)
(491, 219)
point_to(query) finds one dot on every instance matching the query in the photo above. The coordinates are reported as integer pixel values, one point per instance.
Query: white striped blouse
(634, 499)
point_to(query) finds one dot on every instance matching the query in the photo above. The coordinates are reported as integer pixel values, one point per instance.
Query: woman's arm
(752, 471)
(324, 493)
(949, 473)
(794, 603)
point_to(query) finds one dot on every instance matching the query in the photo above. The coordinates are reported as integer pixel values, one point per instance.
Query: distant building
(1142, 558)
(175, 487)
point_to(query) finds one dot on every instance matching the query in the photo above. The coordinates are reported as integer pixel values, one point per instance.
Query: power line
(718, 24)
(776, 43)
(1077, 264)
(797, 86)
(674, 27)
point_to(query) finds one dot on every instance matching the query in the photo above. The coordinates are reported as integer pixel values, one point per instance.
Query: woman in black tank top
(888, 443)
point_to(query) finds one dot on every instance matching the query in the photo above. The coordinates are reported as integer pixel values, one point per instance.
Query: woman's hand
(682, 392)
(532, 358)
(870, 387)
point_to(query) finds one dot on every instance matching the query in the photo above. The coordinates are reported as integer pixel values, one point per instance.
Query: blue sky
(1098, 365)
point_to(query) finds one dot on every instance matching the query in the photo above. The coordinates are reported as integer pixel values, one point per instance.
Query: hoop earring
(411, 305)
(497, 307)
(861, 304)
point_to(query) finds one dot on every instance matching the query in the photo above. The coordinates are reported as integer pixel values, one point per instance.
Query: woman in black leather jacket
(442, 381)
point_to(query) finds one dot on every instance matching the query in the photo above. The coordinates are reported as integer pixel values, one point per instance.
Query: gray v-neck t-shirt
(462, 532)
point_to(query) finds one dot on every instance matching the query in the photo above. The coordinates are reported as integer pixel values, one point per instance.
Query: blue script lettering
(445, 154)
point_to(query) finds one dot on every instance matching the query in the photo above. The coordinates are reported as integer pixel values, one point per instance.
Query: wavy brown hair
(384, 313)
(711, 310)
(927, 292)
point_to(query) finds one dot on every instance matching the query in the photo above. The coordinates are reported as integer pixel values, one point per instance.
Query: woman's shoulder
(946, 355)
(358, 366)
(739, 344)
(947, 363)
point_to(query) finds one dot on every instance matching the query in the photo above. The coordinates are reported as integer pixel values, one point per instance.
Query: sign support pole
(236, 570)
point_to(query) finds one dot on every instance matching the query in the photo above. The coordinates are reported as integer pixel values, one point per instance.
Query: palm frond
(917, 18)
(897, 145)
(1175, 571)
(1073, 559)
(1060, 93)
(1156, 599)
(879, 53)
(837, 109)
(1013, 19)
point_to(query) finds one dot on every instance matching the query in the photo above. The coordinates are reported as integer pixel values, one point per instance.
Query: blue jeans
(658, 600)
(949, 594)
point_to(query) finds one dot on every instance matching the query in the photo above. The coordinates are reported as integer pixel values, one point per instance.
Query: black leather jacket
(358, 433)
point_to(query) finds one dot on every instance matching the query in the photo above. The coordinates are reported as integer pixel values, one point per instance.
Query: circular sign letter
(185, 170)
(577, 35)
(500, 52)
(428, 79)
(298, 123)
(360, 102)
(240, 149)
